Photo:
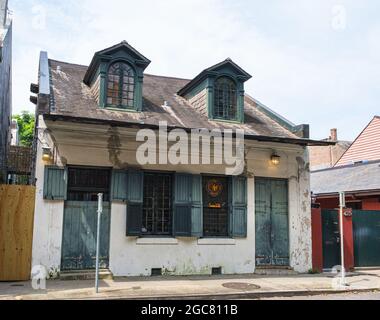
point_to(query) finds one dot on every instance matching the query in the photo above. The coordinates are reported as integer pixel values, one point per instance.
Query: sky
(312, 61)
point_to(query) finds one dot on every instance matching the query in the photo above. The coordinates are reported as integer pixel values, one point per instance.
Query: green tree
(26, 123)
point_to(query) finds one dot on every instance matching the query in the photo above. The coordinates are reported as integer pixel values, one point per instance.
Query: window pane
(157, 209)
(225, 100)
(215, 206)
(120, 85)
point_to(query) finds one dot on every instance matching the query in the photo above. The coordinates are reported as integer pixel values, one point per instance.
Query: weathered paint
(131, 256)
(272, 231)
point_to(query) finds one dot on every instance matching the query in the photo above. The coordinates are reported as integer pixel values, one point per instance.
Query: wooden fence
(16, 231)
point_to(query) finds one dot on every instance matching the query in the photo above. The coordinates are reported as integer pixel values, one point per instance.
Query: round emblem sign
(214, 188)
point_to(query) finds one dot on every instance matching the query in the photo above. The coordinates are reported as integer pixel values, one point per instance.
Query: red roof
(366, 147)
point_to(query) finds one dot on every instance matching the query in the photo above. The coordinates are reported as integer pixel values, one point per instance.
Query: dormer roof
(108, 53)
(215, 70)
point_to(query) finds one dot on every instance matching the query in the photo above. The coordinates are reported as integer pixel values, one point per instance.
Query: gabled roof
(69, 99)
(366, 147)
(124, 45)
(353, 178)
(240, 73)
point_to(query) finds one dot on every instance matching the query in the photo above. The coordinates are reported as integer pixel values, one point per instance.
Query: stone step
(275, 271)
(104, 274)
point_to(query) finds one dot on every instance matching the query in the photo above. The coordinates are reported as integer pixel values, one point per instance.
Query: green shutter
(55, 183)
(238, 213)
(196, 209)
(182, 205)
(119, 185)
(135, 191)
(135, 186)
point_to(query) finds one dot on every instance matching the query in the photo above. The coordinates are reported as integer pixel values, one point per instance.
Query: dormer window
(115, 77)
(223, 86)
(225, 101)
(121, 86)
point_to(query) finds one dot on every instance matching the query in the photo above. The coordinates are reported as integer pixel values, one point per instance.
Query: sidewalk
(202, 287)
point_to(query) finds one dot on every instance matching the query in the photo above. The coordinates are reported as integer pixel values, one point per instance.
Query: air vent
(216, 271)
(155, 272)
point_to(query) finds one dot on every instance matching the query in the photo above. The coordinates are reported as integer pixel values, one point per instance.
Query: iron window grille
(225, 101)
(215, 208)
(121, 86)
(157, 204)
(84, 184)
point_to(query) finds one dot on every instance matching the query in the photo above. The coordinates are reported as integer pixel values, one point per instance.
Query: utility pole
(342, 205)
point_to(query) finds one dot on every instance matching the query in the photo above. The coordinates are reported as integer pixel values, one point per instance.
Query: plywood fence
(16, 231)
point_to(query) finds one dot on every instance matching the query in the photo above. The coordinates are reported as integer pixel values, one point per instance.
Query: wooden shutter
(55, 183)
(182, 205)
(135, 191)
(238, 212)
(196, 209)
(119, 185)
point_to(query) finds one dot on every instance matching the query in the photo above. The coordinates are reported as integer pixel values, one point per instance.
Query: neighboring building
(166, 218)
(356, 172)
(361, 182)
(5, 86)
(366, 147)
(323, 157)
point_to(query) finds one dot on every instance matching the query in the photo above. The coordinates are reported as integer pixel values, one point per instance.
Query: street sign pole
(342, 204)
(100, 210)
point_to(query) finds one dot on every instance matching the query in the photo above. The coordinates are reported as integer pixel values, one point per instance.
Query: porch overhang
(141, 125)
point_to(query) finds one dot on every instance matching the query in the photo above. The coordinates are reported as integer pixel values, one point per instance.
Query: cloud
(302, 67)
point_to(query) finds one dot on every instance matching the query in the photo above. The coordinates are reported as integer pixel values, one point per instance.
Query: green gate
(330, 238)
(366, 228)
(272, 225)
(79, 235)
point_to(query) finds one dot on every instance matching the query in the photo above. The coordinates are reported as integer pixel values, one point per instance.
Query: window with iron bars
(215, 206)
(84, 184)
(157, 204)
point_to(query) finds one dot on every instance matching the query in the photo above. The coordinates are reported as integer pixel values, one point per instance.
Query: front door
(271, 218)
(80, 219)
(330, 238)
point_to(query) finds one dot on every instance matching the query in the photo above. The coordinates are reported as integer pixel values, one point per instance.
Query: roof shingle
(71, 97)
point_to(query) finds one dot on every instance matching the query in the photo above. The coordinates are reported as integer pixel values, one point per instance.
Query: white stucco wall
(48, 220)
(131, 256)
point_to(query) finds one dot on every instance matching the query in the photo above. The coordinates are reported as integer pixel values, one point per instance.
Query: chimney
(334, 134)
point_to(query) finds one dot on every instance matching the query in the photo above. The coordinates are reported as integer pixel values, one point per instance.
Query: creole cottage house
(180, 218)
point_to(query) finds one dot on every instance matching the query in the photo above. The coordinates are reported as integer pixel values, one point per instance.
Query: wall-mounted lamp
(47, 154)
(275, 159)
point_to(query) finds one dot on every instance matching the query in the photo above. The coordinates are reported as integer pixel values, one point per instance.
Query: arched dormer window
(121, 86)
(225, 101)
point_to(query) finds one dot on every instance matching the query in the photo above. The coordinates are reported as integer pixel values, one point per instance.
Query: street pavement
(196, 287)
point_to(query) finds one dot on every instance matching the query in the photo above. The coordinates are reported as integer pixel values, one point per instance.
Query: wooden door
(271, 218)
(79, 235)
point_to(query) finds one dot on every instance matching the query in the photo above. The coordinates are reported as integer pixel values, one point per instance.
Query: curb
(237, 295)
